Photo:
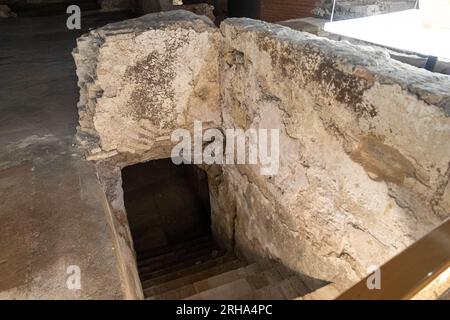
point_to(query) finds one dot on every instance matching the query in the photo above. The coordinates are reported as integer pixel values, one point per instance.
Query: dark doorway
(247, 8)
(166, 204)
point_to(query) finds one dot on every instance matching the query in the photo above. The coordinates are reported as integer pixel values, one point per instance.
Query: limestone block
(142, 78)
(364, 139)
(364, 144)
(360, 8)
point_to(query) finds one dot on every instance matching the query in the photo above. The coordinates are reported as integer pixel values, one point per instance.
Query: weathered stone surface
(364, 139)
(365, 155)
(316, 27)
(142, 78)
(309, 24)
(139, 80)
(360, 8)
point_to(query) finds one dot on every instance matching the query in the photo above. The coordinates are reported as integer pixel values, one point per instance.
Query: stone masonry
(364, 139)
(359, 8)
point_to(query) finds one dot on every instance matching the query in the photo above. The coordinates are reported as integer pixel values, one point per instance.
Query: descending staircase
(199, 270)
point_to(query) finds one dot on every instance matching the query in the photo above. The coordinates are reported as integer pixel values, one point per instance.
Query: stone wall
(139, 80)
(365, 156)
(364, 150)
(142, 78)
(360, 8)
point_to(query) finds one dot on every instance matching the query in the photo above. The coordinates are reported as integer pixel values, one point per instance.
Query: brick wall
(279, 10)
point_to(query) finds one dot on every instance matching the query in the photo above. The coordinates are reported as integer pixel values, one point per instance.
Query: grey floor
(51, 205)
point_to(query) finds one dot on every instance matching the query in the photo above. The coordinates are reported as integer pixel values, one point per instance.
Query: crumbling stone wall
(359, 8)
(365, 154)
(142, 78)
(139, 80)
(365, 157)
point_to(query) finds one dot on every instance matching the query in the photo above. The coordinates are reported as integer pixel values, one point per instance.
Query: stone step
(267, 293)
(328, 292)
(218, 262)
(207, 283)
(230, 291)
(288, 289)
(192, 278)
(182, 260)
(172, 248)
(166, 260)
(255, 280)
(229, 276)
(182, 263)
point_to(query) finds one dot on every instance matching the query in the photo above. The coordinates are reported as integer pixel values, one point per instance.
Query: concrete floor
(51, 205)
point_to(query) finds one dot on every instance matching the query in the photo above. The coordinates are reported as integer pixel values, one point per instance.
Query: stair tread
(190, 279)
(290, 288)
(266, 293)
(182, 264)
(229, 291)
(226, 277)
(142, 256)
(207, 283)
(164, 262)
(167, 276)
(237, 288)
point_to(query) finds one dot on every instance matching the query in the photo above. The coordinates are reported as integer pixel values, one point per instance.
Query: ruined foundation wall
(364, 140)
(365, 156)
(359, 8)
(139, 80)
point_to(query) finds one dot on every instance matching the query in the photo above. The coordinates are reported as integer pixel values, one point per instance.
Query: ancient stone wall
(142, 78)
(345, 9)
(364, 139)
(139, 80)
(365, 157)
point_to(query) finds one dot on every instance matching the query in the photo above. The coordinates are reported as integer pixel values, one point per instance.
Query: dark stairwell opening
(168, 210)
(169, 216)
(166, 204)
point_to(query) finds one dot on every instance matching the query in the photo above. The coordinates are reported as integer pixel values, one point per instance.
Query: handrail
(412, 272)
